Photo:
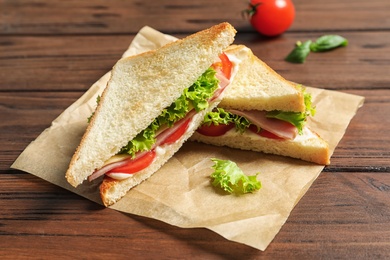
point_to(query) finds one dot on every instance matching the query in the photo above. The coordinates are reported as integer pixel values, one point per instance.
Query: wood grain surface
(52, 51)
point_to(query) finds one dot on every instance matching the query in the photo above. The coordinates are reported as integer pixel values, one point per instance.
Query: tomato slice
(214, 130)
(264, 133)
(225, 65)
(178, 133)
(136, 165)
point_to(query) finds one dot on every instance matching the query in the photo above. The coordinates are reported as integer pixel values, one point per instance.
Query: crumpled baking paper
(180, 193)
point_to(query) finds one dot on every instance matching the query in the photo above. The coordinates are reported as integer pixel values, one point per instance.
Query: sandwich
(151, 105)
(263, 112)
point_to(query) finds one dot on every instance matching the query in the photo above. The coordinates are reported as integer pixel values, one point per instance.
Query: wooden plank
(360, 65)
(341, 214)
(365, 146)
(75, 62)
(57, 63)
(124, 17)
(25, 115)
(39, 218)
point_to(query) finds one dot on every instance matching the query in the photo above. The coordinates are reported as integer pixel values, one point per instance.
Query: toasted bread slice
(140, 87)
(258, 87)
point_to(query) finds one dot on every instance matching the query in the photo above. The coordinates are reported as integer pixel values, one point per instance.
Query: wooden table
(52, 51)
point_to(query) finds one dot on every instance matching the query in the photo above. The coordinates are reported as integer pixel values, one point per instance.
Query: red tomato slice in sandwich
(263, 133)
(178, 133)
(136, 165)
(214, 130)
(225, 65)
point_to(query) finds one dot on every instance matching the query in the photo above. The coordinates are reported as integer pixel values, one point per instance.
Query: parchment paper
(180, 193)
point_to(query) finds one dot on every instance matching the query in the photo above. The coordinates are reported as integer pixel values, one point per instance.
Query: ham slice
(278, 127)
(160, 139)
(113, 165)
(106, 169)
(223, 83)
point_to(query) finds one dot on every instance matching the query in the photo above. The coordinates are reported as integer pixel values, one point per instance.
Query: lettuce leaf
(202, 90)
(220, 116)
(217, 116)
(298, 119)
(241, 123)
(228, 176)
(196, 96)
(143, 141)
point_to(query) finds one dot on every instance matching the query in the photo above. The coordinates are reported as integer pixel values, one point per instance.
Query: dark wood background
(52, 51)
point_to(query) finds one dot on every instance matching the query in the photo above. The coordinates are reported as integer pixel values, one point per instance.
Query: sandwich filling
(171, 125)
(273, 124)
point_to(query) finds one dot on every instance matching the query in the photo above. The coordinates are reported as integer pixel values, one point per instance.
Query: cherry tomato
(178, 133)
(225, 65)
(214, 130)
(137, 164)
(263, 133)
(271, 17)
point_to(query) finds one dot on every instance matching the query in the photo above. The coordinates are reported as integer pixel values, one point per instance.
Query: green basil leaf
(300, 52)
(328, 42)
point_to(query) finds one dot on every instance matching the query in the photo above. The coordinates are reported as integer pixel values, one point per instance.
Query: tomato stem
(247, 13)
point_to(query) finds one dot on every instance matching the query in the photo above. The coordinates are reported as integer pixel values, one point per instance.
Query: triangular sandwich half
(262, 111)
(152, 104)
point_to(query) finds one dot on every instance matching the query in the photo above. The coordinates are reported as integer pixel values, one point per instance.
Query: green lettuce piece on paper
(229, 177)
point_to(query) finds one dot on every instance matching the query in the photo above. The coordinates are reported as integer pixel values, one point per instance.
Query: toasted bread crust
(257, 86)
(310, 147)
